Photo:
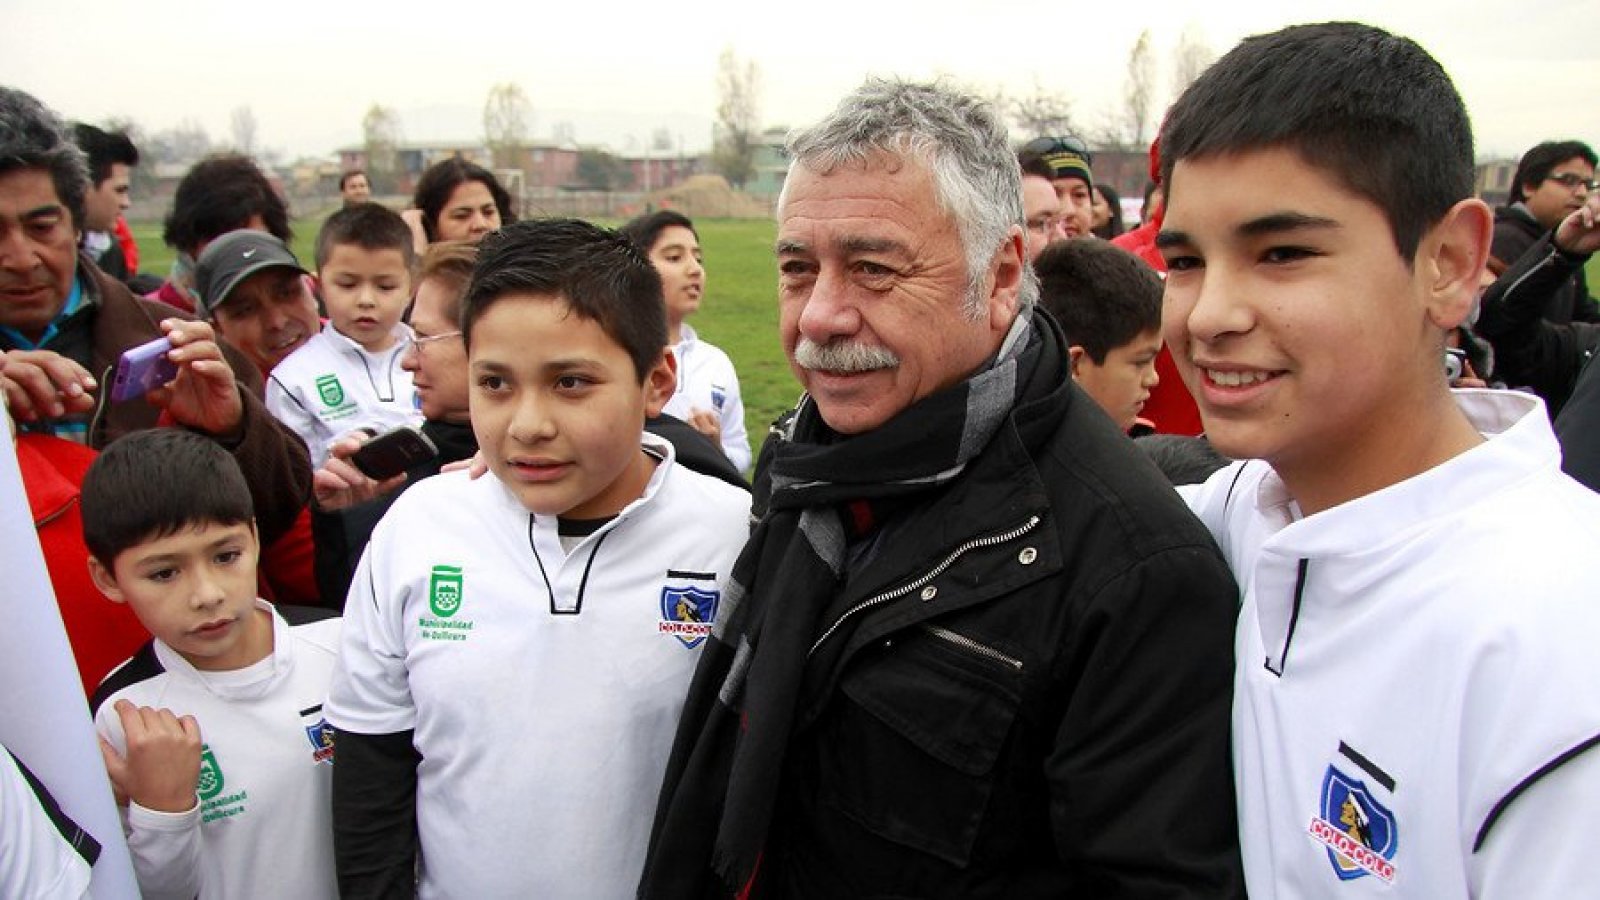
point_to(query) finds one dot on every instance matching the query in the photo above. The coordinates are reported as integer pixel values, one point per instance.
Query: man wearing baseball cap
(255, 292)
(1065, 161)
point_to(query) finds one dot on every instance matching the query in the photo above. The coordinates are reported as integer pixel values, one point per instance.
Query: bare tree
(507, 119)
(243, 126)
(180, 145)
(380, 137)
(661, 139)
(1191, 57)
(1042, 112)
(1137, 91)
(562, 134)
(738, 126)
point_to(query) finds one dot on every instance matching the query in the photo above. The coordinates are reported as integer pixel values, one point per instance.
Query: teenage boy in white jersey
(213, 733)
(1414, 708)
(519, 646)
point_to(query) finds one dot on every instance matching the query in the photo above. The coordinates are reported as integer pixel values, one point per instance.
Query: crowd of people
(1228, 555)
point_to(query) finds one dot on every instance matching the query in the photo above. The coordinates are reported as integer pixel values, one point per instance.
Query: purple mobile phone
(143, 369)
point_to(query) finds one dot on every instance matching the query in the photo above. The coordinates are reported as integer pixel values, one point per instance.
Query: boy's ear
(1075, 357)
(105, 581)
(1450, 261)
(660, 382)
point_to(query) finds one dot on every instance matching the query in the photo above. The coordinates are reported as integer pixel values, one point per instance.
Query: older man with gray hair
(975, 647)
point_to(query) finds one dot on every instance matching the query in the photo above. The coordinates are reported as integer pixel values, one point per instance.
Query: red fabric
(288, 573)
(130, 247)
(1170, 406)
(102, 633)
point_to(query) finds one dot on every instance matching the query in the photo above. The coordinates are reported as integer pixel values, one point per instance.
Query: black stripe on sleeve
(81, 841)
(1523, 785)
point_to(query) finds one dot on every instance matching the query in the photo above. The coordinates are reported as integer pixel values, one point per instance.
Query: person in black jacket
(975, 647)
(1531, 350)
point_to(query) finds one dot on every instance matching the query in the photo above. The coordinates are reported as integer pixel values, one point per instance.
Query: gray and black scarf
(722, 778)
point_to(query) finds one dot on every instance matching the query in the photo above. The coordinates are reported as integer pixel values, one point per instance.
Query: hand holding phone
(393, 452)
(142, 369)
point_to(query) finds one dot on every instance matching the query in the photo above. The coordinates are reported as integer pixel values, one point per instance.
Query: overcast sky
(617, 71)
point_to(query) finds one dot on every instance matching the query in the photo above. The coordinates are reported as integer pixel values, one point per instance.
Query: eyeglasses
(1570, 180)
(1043, 226)
(1042, 146)
(415, 344)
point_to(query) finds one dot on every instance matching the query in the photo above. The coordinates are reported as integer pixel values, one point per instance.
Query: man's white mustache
(843, 356)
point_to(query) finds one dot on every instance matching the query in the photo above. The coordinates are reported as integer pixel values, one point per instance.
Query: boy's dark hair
(441, 180)
(33, 137)
(1537, 164)
(153, 483)
(644, 230)
(599, 273)
(104, 149)
(1372, 109)
(1102, 295)
(370, 226)
(345, 178)
(218, 195)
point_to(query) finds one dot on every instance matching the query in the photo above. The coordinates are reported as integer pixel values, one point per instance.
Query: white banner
(44, 718)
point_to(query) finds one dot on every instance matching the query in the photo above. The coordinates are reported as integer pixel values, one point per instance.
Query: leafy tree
(380, 137)
(738, 125)
(602, 171)
(1191, 57)
(1137, 92)
(507, 119)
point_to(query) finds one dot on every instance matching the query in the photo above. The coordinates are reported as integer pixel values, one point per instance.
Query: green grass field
(740, 313)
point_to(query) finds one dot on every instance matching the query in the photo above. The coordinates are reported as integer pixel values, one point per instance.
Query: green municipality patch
(330, 390)
(210, 783)
(444, 590)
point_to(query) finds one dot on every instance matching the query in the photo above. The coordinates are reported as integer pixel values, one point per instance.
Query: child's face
(194, 589)
(1296, 324)
(268, 316)
(1122, 383)
(366, 292)
(676, 255)
(558, 409)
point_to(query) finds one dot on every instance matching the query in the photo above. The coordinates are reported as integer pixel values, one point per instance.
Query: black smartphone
(142, 369)
(393, 452)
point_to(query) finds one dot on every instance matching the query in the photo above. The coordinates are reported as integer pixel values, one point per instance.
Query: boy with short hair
(225, 699)
(349, 375)
(1109, 305)
(1419, 575)
(519, 646)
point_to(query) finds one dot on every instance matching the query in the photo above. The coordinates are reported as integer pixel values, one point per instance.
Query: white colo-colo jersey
(1418, 690)
(262, 826)
(36, 862)
(544, 687)
(706, 380)
(332, 386)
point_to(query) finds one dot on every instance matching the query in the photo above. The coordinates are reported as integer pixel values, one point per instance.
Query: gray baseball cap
(229, 260)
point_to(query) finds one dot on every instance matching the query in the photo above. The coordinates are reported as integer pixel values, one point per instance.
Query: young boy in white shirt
(518, 646)
(1414, 709)
(1109, 305)
(348, 376)
(213, 733)
(707, 396)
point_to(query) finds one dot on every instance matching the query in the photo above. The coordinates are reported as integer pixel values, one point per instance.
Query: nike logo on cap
(249, 253)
